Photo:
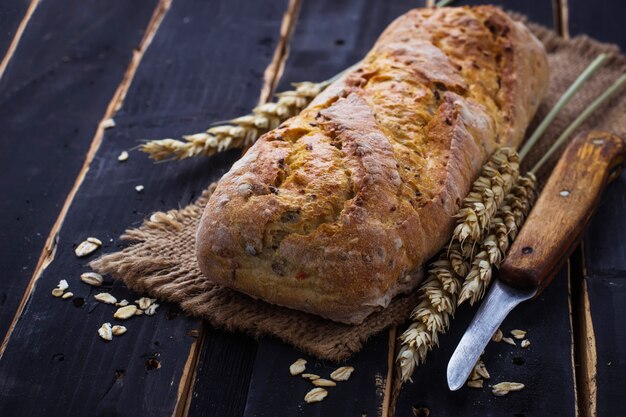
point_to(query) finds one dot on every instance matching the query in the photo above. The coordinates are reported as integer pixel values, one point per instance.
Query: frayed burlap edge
(161, 261)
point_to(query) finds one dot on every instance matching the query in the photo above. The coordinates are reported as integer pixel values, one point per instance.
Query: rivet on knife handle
(563, 209)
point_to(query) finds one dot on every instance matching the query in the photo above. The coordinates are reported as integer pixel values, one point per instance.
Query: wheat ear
(438, 293)
(502, 232)
(240, 132)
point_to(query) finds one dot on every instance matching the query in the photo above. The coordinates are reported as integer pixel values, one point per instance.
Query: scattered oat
(138, 312)
(105, 298)
(150, 311)
(297, 367)
(107, 123)
(87, 246)
(105, 331)
(477, 383)
(125, 313)
(321, 382)
(145, 302)
(67, 295)
(497, 336)
(122, 303)
(310, 377)
(509, 341)
(479, 372)
(91, 278)
(118, 330)
(63, 285)
(57, 292)
(503, 388)
(315, 395)
(518, 334)
(342, 374)
(525, 343)
(139, 188)
(123, 156)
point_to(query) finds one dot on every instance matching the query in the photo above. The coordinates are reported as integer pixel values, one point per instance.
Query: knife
(547, 238)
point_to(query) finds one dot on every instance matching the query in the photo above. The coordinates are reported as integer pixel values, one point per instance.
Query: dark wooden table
(169, 67)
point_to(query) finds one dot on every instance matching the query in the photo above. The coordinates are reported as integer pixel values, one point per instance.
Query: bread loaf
(337, 211)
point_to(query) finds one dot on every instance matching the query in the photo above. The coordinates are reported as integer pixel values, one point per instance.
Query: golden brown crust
(336, 211)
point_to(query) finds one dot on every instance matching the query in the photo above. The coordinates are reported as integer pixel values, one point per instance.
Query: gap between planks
(18, 36)
(188, 377)
(560, 13)
(584, 343)
(271, 77)
(49, 249)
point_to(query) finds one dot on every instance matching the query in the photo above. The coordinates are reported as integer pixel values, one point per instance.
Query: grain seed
(509, 341)
(497, 336)
(107, 123)
(87, 246)
(123, 156)
(315, 395)
(106, 298)
(91, 278)
(139, 188)
(321, 382)
(63, 285)
(138, 312)
(122, 303)
(67, 295)
(57, 292)
(151, 310)
(503, 388)
(310, 377)
(125, 313)
(118, 330)
(477, 383)
(297, 367)
(105, 331)
(518, 334)
(145, 302)
(342, 374)
(525, 343)
(479, 371)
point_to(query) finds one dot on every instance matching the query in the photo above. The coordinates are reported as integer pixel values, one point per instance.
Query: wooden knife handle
(563, 209)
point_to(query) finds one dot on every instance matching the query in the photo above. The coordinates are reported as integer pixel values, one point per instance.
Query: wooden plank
(329, 37)
(54, 362)
(603, 21)
(273, 388)
(53, 95)
(545, 367)
(603, 291)
(547, 363)
(14, 17)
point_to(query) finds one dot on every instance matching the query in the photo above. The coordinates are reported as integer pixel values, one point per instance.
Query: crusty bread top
(335, 211)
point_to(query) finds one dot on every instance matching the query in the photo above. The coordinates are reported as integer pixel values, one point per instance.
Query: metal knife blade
(498, 304)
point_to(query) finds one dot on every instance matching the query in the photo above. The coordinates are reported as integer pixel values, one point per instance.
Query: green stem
(565, 98)
(444, 3)
(614, 88)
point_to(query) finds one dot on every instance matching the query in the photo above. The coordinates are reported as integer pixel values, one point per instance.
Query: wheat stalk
(488, 191)
(241, 131)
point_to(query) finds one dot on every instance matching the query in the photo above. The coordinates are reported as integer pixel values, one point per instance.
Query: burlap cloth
(161, 261)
